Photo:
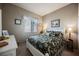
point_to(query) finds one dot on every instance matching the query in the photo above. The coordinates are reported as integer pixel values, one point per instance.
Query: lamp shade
(44, 26)
(70, 30)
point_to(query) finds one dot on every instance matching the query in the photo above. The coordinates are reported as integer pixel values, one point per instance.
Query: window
(30, 24)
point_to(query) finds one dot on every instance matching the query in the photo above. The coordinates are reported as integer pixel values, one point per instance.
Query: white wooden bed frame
(33, 50)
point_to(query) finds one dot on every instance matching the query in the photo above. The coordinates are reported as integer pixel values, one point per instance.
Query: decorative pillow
(55, 33)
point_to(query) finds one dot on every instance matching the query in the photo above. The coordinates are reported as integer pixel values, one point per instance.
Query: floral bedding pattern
(51, 43)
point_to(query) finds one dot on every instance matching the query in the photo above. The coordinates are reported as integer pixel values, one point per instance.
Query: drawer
(9, 53)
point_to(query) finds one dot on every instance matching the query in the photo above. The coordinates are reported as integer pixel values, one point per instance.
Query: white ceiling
(41, 8)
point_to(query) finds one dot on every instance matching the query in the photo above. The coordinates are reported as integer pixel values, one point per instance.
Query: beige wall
(0, 21)
(68, 15)
(78, 26)
(0, 5)
(10, 13)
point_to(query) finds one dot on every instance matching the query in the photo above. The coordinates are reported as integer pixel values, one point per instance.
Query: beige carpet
(70, 53)
(22, 50)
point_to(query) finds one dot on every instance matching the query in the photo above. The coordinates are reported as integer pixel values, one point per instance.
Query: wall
(0, 5)
(10, 13)
(0, 21)
(68, 16)
(78, 26)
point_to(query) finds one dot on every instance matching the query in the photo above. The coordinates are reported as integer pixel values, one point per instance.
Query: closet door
(0, 23)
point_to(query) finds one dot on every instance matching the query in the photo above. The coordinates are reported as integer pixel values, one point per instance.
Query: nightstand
(70, 44)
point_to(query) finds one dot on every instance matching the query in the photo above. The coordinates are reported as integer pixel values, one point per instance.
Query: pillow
(55, 33)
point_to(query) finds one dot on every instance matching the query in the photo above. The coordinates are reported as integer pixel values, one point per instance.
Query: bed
(46, 44)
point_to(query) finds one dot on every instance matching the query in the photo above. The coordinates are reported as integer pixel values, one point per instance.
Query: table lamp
(69, 31)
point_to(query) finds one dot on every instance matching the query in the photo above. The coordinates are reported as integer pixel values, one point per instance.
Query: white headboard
(60, 29)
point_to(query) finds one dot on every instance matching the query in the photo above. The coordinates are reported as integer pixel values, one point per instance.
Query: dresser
(10, 49)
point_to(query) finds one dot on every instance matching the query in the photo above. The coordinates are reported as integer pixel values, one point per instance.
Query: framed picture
(5, 33)
(18, 21)
(55, 23)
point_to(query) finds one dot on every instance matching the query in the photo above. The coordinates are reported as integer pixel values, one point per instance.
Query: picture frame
(18, 21)
(5, 33)
(55, 23)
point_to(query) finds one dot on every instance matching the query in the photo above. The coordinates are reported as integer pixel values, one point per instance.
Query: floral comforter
(51, 43)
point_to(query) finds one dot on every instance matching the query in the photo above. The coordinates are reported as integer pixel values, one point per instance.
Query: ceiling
(41, 8)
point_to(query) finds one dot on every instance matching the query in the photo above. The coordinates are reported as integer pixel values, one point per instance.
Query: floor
(23, 51)
(70, 53)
